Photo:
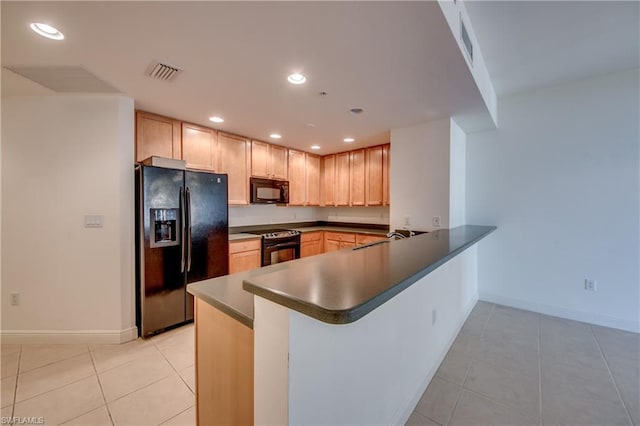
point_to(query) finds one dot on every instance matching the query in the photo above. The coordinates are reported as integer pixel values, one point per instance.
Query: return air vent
(162, 71)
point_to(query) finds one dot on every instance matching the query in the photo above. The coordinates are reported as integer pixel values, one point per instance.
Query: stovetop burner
(276, 233)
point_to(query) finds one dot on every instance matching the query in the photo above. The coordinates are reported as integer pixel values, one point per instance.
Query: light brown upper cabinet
(157, 136)
(297, 178)
(268, 161)
(199, 147)
(235, 161)
(357, 180)
(374, 178)
(313, 179)
(386, 158)
(328, 180)
(341, 196)
(304, 179)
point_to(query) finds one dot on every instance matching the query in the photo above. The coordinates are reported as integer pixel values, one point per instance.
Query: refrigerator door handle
(183, 225)
(188, 202)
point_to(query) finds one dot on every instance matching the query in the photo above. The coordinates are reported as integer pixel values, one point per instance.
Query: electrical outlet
(15, 299)
(590, 284)
(434, 317)
(407, 221)
(436, 221)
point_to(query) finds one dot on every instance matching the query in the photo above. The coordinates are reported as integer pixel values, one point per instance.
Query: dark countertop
(349, 229)
(342, 286)
(242, 236)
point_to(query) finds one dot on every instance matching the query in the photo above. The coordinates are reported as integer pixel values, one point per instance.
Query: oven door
(280, 250)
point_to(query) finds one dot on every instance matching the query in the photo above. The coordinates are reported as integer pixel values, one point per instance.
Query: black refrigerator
(181, 237)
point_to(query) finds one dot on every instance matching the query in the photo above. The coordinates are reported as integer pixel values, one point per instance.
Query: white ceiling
(397, 60)
(528, 45)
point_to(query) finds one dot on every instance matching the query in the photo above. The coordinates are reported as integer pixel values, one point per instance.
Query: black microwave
(269, 191)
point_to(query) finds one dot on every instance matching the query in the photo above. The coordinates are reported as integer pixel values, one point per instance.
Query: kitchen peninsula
(347, 337)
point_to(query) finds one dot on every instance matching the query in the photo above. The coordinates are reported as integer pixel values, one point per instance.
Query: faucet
(395, 234)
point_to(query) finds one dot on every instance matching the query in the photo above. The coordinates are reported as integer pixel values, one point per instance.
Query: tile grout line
(174, 369)
(181, 412)
(615, 384)
(104, 398)
(464, 380)
(15, 389)
(539, 372)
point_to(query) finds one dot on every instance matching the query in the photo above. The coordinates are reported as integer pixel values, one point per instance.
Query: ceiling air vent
(162, 71)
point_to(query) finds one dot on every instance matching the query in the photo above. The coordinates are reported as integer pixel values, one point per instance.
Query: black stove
(279, 245)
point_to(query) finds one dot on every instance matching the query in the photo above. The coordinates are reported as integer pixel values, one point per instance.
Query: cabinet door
(297, 181)
(235, 161)
(374, 167)
(310, 248)
(331, 245)
(342, 180)
(346, 244)
(328, 180)
(278, 162)
(199, 147)
(244, 261)
(157, 136)
(386, 157)
(357, 177)
(313, 179)
(260, 159)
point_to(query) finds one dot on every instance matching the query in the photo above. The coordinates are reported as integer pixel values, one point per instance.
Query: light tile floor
(506, 367)
(144, 382)
(514, 367)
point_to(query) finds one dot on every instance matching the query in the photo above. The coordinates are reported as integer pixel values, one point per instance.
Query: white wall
(64, 157)
(374, 371)
(560, 179)
(457, 173)
(270, 214)
(257, 214)
(419, 175)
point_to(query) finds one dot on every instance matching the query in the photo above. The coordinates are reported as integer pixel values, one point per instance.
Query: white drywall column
(65, 157)
(560, 179)
(457, 173)
(419, 175)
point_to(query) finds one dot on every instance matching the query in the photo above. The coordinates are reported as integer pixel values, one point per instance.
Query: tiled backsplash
(271, 214)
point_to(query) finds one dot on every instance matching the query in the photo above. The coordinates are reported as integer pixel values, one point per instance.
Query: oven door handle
(281, 245)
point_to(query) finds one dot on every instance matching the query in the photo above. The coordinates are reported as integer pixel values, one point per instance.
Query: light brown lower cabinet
(224, 368)
(367, 238)
(244, 255)
(311, 243)
(338, 240)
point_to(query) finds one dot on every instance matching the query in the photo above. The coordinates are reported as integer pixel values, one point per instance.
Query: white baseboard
(427, 379)
(589, 317)
(69, 336)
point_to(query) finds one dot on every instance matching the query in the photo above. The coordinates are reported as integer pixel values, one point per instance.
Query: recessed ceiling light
(217, 119)
(349, 139)
(275, 136)
(47, 31)
(296, 78)
(315, 146)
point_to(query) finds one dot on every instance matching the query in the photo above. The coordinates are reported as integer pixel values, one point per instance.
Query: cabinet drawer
(340, 236)
(368, 238)
(240, 246)
(310, 236)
